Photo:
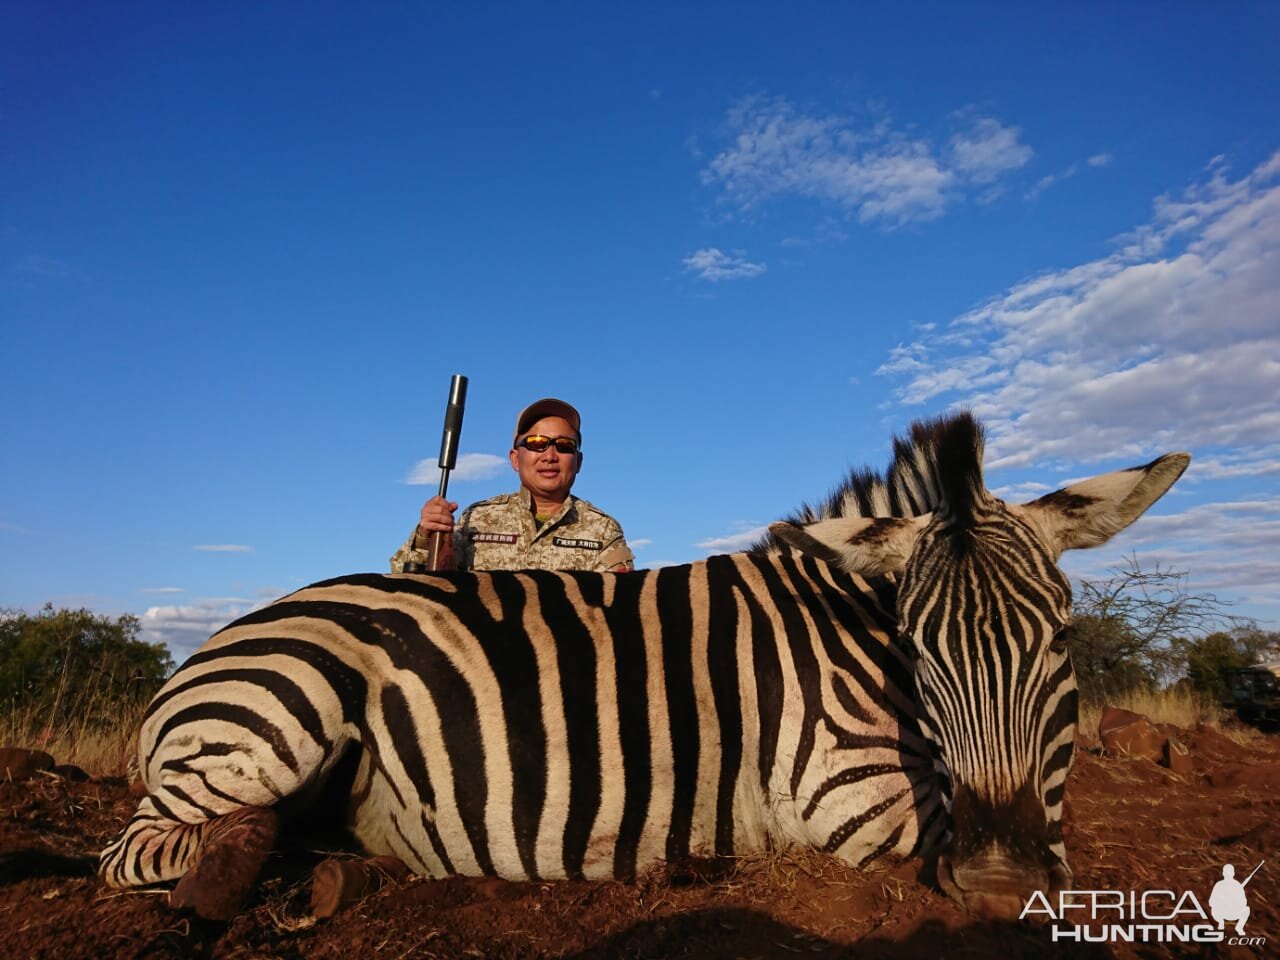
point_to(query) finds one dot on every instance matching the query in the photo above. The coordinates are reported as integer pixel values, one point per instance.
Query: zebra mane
(938, 465)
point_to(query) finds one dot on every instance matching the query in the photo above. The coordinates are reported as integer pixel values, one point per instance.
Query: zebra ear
(864, 545)
(1093, 511)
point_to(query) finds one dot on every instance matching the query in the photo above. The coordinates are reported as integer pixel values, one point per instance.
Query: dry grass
(91, 731)
(779, 869)
(1178, 706)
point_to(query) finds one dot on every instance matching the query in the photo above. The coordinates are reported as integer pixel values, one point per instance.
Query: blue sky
(244, 246)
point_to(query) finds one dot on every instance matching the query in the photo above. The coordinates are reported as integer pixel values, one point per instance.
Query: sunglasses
(536, 443)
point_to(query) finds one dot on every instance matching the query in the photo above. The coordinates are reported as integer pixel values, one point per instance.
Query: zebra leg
(230, 857)
(218, 859)
(338, 883)
(154, 847)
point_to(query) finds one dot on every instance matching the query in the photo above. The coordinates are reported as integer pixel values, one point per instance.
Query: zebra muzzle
(999, 853)
(991, 885)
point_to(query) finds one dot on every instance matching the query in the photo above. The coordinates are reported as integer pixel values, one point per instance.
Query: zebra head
(983, 609)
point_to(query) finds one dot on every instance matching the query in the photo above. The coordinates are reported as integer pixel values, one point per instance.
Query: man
(539, 527)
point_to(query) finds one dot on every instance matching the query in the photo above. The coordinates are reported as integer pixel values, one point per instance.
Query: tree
(62, 663)
(1210, 657)
(1129, 630)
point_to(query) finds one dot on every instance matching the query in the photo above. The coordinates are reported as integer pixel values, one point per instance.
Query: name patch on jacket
(494, 537)
(578, 544)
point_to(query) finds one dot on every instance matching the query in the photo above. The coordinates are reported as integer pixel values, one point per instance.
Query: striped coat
(540, 725)
(886, 675)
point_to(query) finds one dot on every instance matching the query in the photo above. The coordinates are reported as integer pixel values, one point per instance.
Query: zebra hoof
(339, 883)
(231, 857)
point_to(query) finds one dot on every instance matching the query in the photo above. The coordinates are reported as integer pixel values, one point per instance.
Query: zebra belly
(447, 812)
(428, 806)
(857, 822)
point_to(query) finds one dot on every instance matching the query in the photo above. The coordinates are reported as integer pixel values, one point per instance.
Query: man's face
(549, 474)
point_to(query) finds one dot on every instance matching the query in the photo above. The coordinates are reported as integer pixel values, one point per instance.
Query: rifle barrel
(452, 429)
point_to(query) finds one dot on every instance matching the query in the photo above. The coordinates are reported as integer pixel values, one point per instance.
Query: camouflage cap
(547, 407)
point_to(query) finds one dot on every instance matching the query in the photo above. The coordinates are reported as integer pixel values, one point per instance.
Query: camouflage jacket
(500, 534)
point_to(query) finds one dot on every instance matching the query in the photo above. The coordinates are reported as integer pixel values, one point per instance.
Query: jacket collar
(567, 512)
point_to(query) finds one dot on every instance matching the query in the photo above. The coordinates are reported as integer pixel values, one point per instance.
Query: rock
(1114, 717)
(1127, 734)
(1177, 757)
(19, 764)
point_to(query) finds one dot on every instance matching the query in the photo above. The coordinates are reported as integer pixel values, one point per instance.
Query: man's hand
(437, 514)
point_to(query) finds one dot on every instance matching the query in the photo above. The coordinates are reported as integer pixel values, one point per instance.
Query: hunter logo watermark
(1149, 916)
(1229, 901)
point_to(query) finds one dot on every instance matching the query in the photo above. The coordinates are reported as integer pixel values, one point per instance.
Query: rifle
(1250, 876)
(448, 455)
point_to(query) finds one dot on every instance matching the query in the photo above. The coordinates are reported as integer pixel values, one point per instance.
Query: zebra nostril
(947, 880)
(1060, 877)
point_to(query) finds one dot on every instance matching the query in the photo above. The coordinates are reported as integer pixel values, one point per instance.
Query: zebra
(884, 675)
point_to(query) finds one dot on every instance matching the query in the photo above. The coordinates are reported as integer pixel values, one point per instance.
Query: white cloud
(638, 544)
(1022, 492)
(1265, 462)
(714, 265)
(733, 542)
(1169, 343)
(1047, 181)
(1232, 547)
(988, 149)
(1096, 161)
(184, 628)
(222, 548)
(869, 169)
(470, 466)
(162, 590)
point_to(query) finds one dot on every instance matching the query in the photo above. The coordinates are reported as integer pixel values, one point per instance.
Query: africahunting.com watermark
(1149, 916)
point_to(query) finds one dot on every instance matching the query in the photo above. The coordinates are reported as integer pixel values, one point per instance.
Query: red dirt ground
(1131, 825)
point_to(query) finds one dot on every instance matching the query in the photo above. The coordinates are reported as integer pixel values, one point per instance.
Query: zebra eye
(1061, 640)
